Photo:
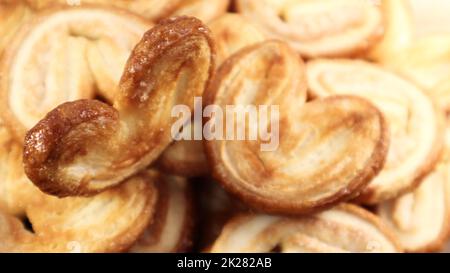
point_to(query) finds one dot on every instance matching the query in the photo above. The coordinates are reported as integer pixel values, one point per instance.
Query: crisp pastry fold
(327, 150)
(86, 146)
(415, 125)
(172, 227)
(154, 10)
(109, 222)
(231, 32)
(421, 218)
(318, 28)
(62, 55)
(345, 228)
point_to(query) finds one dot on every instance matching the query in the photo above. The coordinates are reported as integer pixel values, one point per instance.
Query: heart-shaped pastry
(109, 222)
(63, 55)
(415, 125)
(86, 146)
(306, 157)
(154, 10)
(421, 219)
(172, 227)
(346, 228)
(318, 28)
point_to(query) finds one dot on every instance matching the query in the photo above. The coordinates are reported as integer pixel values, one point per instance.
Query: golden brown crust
(346, 228)
(318, 28)
(108, 222)
(421, 218)
(154, 10)
(295, 178)
(416, 125)
(84, 147)
(58, 56)
(172, 228)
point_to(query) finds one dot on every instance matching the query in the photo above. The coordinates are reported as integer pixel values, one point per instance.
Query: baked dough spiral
(86, 146)
(63, 55)
(346, 228)
(109, 222)
(318, 28)
(172, 227)
(328, 149)
(421, 219)
(154, 10)
(415, 125)
(231, 33)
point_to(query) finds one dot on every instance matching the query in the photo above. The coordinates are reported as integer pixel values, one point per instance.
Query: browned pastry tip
(109, 222)
(173, 224)
(84, 147)
(415, 123)
(345, 228)
(318, 28)
(327, 152)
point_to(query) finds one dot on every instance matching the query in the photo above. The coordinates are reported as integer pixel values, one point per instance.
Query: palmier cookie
(63, 55)
(326, 151)
(421, 218)
(346, 228)
(154, 10)
(231, 33)
(86, 146)
(318, 28)
(172, 227)
(109, 222)
(415, 124)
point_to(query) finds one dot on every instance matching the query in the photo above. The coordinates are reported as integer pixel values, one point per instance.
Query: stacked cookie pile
(90, 162)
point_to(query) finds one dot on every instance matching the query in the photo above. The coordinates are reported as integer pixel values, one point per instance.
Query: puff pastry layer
(415, 125)
(63, 55)
(86, 146)
(346, 228)
(318, 162)
(318, 28)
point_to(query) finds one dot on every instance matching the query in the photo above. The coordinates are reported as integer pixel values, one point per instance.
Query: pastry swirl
(302, 174)
(171, 230)
(346, 228)
(108, 222)
(318, 28)
(86, 146)
(416, 126)
(154, 10)
(59, 56)
(421, 219)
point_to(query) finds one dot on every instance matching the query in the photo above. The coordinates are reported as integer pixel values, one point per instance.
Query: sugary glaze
(318, 28)
(421, 219)
(172, 227)
(318, 162)
(346, 228)
(63, 55)
(109, 222)
(415, 125)
(154, 10)
(86, 146)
